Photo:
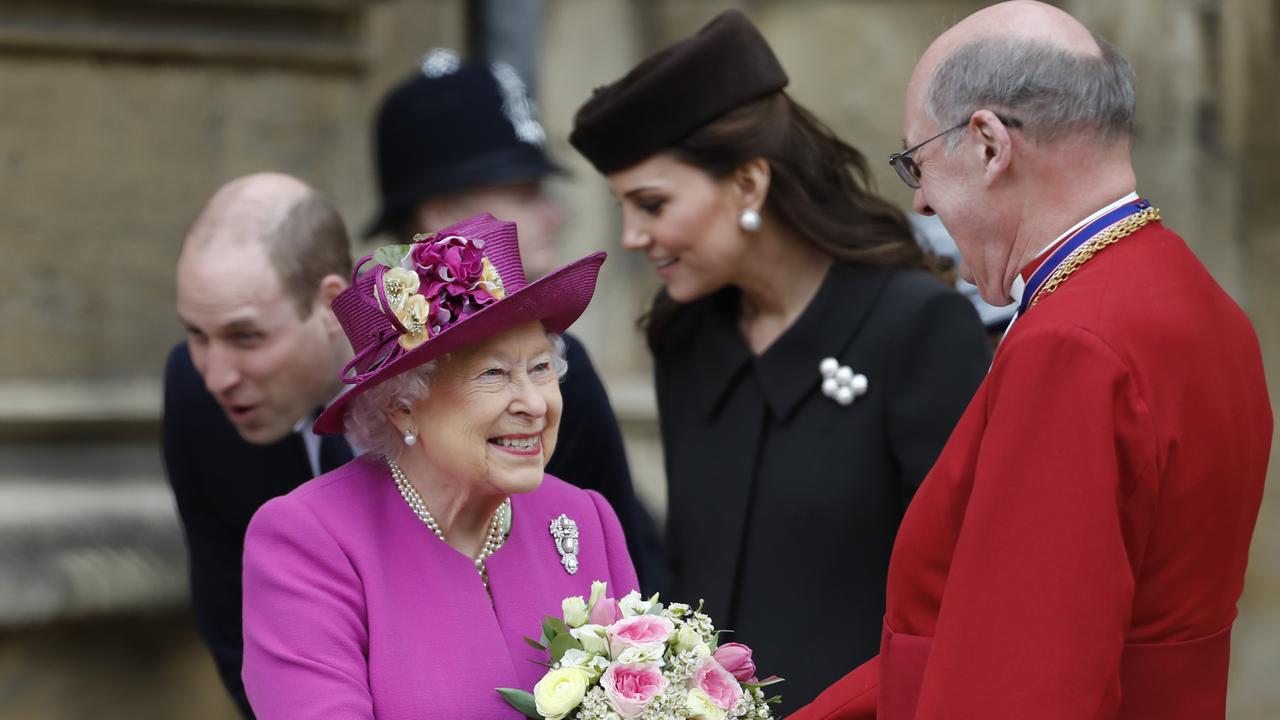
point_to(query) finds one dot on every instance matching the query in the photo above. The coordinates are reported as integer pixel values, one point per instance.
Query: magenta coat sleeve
(305, 631)
(621, 570)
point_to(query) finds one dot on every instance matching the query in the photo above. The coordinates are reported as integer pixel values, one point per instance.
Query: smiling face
(264, 364)
(684, 221)
(492, 413)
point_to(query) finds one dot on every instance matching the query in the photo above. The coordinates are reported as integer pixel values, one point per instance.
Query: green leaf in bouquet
(521, 700)
(771, 680)
(715, 640)
(773, 700)
(535, 644)
(553, 626)
(391, 255)
(561, 643)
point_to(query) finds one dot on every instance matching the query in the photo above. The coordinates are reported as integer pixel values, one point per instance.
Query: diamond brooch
(565, 532)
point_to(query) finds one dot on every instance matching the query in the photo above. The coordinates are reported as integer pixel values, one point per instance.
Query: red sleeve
(852, 697)
(1037, 600)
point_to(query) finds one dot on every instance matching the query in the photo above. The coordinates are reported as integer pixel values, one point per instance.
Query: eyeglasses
(906, 165)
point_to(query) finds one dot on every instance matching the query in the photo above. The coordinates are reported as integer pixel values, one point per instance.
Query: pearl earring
(410, 439)
(749, 220)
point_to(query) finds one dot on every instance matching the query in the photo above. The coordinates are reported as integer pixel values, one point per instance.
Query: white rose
(593, 665)
(598, 588)
(559, 692)
(687, 638)
(632, 604)
(593, 638)
(575, 611)
(647, 655)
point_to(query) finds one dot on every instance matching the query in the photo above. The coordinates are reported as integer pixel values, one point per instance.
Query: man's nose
(919, 203)
(221, 370)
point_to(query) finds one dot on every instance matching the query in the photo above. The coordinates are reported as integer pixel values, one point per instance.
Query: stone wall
(118, 119)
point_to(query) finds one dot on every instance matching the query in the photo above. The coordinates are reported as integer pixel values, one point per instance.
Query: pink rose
(629, 688)
(718, 684)
(605, 612)
(736, 658)
(451, 264)
(640, 631)
(451, 269)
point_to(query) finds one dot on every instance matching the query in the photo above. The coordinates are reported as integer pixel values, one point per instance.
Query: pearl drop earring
(410, 439)
(749, 220)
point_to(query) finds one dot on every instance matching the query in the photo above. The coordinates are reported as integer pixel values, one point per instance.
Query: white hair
(1051, 90)
(368, 423)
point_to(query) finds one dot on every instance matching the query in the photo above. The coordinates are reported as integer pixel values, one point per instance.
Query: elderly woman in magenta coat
(403, 584)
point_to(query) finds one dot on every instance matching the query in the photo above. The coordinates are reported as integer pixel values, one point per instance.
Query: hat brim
(492, 169)
(557, 300)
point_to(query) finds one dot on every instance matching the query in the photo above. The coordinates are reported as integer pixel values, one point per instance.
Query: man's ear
(751, 180)
(993, 143)
(330, 286)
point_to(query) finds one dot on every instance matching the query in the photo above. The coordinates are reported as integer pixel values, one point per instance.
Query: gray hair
(1051, 90)
(367, 423)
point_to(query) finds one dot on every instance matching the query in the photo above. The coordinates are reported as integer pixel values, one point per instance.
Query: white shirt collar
(1075, 228)
(1019, 286)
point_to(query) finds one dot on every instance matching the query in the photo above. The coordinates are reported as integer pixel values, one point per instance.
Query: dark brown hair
(820, 189)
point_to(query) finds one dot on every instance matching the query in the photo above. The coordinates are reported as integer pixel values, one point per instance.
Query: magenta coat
(353, 608)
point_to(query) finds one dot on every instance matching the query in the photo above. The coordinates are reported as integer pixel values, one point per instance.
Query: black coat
(783, 504)
(219, 481)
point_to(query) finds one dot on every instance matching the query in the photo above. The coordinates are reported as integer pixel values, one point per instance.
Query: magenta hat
(448, 290)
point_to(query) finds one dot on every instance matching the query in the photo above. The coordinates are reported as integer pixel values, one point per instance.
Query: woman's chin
(514, 481)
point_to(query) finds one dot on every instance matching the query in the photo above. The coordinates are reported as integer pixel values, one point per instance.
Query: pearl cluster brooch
(840, 382)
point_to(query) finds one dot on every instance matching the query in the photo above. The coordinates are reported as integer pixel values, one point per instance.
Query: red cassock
(1078, 549)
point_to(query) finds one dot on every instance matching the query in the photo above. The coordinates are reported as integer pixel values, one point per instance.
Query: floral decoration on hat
(435, 282)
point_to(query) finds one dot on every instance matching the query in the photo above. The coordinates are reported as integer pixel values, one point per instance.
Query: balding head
(1033, 62)
(259, 268)
(300, 231)
(1033, 115)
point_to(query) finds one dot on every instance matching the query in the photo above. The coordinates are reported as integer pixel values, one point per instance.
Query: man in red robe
(1078, 549)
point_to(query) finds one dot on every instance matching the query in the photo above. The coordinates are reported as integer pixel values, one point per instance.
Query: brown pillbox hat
(676, 91)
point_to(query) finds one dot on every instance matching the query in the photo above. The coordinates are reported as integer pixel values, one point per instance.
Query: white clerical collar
(1071, 231)
(1019, 286)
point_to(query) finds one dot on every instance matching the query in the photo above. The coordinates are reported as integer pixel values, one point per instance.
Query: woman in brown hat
(809, 366)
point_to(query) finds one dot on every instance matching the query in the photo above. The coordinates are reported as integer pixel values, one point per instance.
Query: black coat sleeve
(590, 454)
(942, 356)
(212, 549)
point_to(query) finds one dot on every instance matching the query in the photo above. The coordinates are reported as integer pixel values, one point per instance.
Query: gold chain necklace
(1085, 252)
(493, 540)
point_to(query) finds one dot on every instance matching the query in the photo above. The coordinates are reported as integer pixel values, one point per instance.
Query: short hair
(310, 244)
(366, 421)
(1052, 90)
(303, 236)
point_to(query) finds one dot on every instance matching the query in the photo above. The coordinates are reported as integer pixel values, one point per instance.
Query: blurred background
(118, 120)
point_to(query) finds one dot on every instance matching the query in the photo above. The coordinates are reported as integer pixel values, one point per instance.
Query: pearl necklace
(493, 539)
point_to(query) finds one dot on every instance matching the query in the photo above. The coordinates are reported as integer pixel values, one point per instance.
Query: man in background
(263, 354)
(457, 139)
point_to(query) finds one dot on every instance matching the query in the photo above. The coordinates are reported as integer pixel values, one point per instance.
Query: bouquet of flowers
(635, 658)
